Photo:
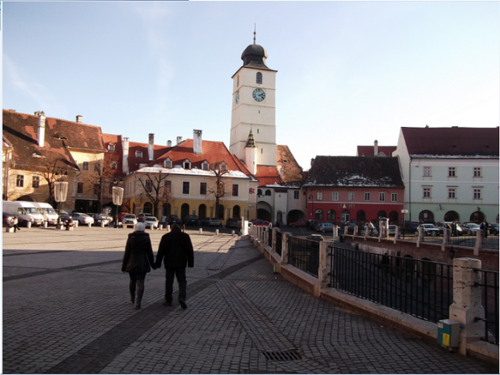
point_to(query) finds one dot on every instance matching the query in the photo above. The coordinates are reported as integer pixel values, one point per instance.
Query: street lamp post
(60, 194)
(117, 200)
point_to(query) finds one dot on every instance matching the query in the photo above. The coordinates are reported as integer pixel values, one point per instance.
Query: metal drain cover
(288, 355)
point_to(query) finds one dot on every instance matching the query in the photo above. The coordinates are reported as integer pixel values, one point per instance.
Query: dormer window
(186, 164)
(204, 166)
(223, 167)
(138, 154)
(111, 147)
(258, 78)
(167, 163)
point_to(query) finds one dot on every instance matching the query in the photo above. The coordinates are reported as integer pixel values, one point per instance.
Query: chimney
(312, 162)
(41, 128)
(125, 155)
(151, 146)
(197, 141)
(179, 140)
(169, 143)
(79, 118)
(375, 148)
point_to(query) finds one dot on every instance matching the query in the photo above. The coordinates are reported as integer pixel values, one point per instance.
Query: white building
(450, 173)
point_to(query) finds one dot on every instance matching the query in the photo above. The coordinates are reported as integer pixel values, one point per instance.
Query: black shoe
(183, 304)
(167, 304)
(137, 306)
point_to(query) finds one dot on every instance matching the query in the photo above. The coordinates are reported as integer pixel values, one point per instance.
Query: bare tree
(156, 189)
(53, 168)
(218, 189)
(101, 176)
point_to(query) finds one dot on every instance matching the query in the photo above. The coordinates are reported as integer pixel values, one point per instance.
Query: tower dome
(254, 54)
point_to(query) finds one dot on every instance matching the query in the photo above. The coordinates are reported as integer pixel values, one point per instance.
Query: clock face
(259, 95)
(237, 97)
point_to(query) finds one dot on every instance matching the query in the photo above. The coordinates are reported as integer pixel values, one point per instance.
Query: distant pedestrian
(484, 228)
(137, 260)
(177, 251)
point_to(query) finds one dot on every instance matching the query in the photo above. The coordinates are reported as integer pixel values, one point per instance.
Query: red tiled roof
(268, 175)
(135, 162)
(115, 155)
(369, 150)
(21, 131)
(454, 141)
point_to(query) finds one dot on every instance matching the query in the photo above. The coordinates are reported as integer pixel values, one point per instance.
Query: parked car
(233, 223)
(325, 227)
(315, 237)
(350, 228)
(494, 229)
(47, 211)
(261, 223)
(392, 230)
(141, 218)
(26, 212)
(101, 218)
(9, 220)
(151, 222)
(82, 218)
(210, 222)
(129, 220)
(299, 223)
(174, 219)
(410, 227)
(192, 220)
(429, 230)
(470, 229)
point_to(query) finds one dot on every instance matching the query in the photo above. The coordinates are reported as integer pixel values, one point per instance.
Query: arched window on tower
(258, 77)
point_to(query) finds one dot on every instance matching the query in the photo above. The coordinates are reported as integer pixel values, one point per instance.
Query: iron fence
(304, 255)
(270, 237)
(417, 287)
(279, 242)
(489, 289)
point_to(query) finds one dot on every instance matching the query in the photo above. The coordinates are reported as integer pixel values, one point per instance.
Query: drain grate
(289, 355)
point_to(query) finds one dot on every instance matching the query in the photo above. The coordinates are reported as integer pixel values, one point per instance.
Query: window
(318, 215)
(223, 167)
(35, 183)
(185, 187)
(114, 165)
(168, 186)
(452, 193)
(149, 186)
(85, 166)
(335, 196)
(268, 192)
(204, 166)
(138, 154)
(451, 172)
(258, 78)
(350, 196)
(427, 171)
(427, 192)
(111, 147)
(394, 197)
(203, 188)
(477, 193)
(319, 196)
(20, 180)
(367, 196)
(97, 167)
(381, 197)
(167, 163)
(296, 194)
(79, 188)
(235, 190)
(330, 215)
(477, 171)
(259, 192)
(187, 164)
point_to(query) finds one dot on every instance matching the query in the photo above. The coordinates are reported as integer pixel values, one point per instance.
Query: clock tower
(254, 107)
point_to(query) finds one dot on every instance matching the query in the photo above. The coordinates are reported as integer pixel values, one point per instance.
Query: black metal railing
(279, 242)
(489, 290)
(417, 287)
(304, 255)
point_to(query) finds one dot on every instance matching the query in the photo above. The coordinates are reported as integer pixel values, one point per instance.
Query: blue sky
(349, 73)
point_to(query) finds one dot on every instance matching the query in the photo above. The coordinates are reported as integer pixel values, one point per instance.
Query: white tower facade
(254, 108)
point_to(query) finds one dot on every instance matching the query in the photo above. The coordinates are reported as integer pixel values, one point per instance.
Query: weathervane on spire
(254, 32)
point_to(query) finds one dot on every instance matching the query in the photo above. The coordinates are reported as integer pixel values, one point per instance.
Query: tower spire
(254, 32)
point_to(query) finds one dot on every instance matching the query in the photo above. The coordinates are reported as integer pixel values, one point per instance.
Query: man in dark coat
(137, 260)
(177, 250)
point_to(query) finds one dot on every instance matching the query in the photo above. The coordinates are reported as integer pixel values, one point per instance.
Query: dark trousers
(180, 274)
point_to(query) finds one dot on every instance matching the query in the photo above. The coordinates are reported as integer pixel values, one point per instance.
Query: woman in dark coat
(137, 261)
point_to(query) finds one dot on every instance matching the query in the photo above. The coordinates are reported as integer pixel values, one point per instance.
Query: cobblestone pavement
(66, 309)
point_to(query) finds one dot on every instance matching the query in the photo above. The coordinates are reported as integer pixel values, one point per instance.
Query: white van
(25, 211)
(47, 211)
